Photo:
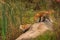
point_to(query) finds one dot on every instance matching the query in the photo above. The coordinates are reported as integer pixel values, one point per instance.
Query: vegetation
(16, 12)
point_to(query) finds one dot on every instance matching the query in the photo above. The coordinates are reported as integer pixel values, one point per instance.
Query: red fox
(42, 15)
(39, 17)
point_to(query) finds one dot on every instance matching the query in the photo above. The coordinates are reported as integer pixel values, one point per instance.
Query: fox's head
(44, 16)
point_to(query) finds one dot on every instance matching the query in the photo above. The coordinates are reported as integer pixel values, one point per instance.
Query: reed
(4, 23)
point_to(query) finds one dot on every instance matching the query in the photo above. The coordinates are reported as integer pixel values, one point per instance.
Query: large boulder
(34, 31)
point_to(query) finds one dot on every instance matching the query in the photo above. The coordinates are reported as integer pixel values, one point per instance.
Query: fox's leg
(24, 28)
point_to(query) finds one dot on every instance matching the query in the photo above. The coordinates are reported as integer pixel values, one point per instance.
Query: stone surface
(35, 30)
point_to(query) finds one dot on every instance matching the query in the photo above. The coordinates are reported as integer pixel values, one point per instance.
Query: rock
(35, 30)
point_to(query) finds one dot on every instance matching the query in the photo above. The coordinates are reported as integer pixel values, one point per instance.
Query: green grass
(4, 23)
(16, 12)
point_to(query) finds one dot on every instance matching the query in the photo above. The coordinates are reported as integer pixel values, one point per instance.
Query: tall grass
(24, 11)
(4, 22)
